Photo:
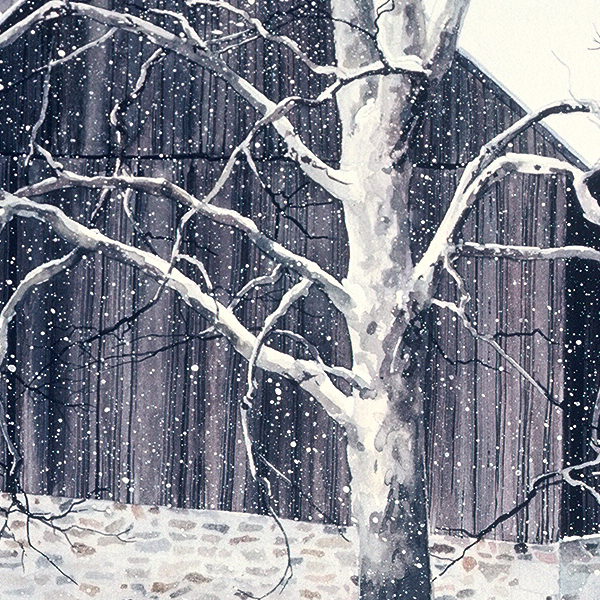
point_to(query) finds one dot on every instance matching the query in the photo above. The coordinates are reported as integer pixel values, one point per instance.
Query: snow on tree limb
(527, 252)
(269, 279)
(490, 166)
(594, 444)
(262, 31)
(332, 180)
(36, 277)
(190, 46)
(567, 475)
(298, 291)
(347, 375)
(225, 216)
(308, 374)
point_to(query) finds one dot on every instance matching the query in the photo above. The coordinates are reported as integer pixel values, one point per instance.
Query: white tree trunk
(401, 47)
(385, 452)
(386, 448)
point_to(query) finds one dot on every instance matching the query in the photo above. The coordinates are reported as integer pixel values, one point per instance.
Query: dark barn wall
(582, 366)
(126, 413)
(491, 433)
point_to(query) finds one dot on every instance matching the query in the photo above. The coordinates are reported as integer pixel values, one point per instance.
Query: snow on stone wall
(170, 553)
(121, 552)
(580, 568)
(494, 570)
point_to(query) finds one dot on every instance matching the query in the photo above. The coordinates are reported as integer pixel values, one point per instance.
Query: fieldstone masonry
(121, 552)
(111, 551)
(580, 568)
(493, 570)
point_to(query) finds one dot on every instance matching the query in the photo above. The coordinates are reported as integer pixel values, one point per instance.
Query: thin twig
(298, 291)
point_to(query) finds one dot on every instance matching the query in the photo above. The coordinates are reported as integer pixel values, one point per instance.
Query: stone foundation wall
(580, 568)
(493, 570)
(111, 551)
(121, 552)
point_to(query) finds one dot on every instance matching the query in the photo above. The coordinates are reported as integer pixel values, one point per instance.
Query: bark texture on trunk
(386, 442)
(388, 480)
(385, 452)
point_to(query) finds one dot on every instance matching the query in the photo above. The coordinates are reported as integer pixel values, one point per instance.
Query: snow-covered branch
(298, 291)
(161, 187)
(490, 166)
(269, 279)
(594, 443)
(190, 46)
(36, 277)
(567, 474)
(283, 40)
(347, 375)
(527, 252)
(308, 374)
(332, 180)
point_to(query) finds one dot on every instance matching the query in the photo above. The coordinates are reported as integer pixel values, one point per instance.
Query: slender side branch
(526, 252)
(243, 147)
(188, 30)
(269, 279)
(539, 483)
(42, 117)
(263, 32)
(36, 277)
(117, 114)
(201, 268)
(308, 374)
(490, 341)
(567, 473)
(161, 187)
(300, 290)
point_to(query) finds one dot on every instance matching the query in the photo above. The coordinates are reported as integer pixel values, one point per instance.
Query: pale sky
(540, 51)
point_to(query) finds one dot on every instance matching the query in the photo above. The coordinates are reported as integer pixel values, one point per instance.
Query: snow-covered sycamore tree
(389, 54)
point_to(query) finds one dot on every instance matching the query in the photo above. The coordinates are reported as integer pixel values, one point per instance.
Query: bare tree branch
(594, 444)
(270, 279)
(332, 180)
(308, 374)
(538, 484)
(526, 252)
(345, 374)
(161, 187)
(489, 167)
(42, 117)
(298, 291)
(283, 40)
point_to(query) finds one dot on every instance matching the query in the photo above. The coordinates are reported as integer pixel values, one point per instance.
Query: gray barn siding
(491, 433)
(176, 437)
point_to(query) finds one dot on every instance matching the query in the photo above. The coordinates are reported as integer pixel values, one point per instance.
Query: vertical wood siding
(126, 414)
(490, 432)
